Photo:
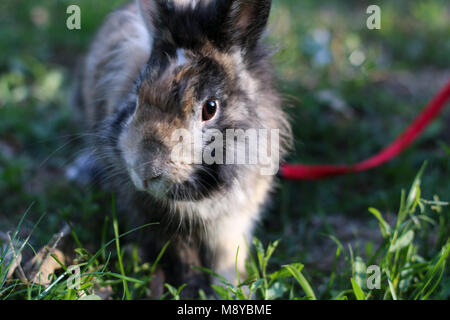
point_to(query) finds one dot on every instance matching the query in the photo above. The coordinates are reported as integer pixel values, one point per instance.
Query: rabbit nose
(153, 161)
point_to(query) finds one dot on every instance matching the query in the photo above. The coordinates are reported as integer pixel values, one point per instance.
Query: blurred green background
(349, 91)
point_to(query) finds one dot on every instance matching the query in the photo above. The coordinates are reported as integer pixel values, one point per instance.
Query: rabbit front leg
(231, 241)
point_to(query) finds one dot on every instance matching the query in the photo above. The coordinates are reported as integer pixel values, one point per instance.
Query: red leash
(312, 172)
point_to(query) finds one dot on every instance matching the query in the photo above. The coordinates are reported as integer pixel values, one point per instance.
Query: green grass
(405, 272)
(317, 237)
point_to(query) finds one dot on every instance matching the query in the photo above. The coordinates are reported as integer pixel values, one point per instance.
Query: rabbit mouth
(204, 183)
(161, 188)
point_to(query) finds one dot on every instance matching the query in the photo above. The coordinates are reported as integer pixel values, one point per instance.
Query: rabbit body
(149, 71)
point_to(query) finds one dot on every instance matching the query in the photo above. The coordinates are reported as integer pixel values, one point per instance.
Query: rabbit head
(207, 72)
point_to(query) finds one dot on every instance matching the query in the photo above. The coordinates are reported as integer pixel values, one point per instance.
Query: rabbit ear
(148, 12)
(154, 12)
(246, 21)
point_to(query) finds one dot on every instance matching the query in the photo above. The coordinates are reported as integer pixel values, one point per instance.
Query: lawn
(349, 91)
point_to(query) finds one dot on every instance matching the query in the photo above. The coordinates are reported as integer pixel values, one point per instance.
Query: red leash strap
(312, 172)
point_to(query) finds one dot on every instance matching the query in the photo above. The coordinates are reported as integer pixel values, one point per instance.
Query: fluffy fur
(148, 72)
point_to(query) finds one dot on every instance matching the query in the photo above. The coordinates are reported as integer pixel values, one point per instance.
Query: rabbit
(156, 66)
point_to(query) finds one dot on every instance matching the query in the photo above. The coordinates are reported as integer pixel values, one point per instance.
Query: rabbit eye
(209, 109)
